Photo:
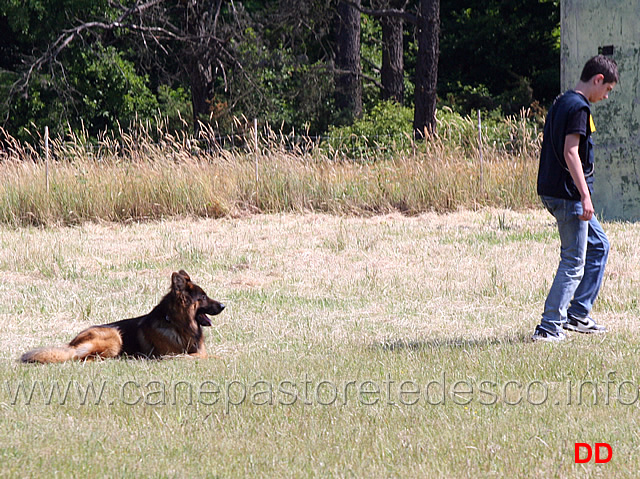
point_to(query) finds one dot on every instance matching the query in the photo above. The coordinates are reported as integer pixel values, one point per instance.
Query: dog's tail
(95, 342)
(50, 355)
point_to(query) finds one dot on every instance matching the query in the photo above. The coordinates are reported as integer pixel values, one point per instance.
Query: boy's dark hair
(600, 65)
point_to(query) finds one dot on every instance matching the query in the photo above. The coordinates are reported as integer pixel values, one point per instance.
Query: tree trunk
(201, 83)
(424, 118)
(201, 23)
(348, 76)
(392, 72)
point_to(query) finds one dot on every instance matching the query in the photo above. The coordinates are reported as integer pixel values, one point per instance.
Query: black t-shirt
(577, 123)
(570, 114)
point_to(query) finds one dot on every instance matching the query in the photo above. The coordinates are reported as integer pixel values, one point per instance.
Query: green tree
(95, 64)
(507, 51)
(85, 85)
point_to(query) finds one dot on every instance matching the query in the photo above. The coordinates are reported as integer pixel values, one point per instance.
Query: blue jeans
(584, 249)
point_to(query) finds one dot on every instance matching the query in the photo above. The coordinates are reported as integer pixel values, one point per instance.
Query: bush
(386, 129)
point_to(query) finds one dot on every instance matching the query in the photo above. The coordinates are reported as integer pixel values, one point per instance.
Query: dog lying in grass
(173, 327)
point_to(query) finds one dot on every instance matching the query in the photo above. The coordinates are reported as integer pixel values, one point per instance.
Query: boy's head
(599, 76)
(600, 65)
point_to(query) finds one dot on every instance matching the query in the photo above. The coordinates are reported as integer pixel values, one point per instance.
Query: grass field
(387, 346)
(158, 175)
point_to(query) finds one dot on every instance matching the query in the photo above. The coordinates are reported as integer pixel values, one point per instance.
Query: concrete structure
(610, 27)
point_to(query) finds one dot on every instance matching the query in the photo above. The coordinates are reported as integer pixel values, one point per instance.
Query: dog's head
(195, 298)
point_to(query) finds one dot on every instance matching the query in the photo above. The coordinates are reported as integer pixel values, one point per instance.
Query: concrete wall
(588, 25)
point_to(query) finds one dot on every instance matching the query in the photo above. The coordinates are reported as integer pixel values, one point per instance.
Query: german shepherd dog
(173, 327)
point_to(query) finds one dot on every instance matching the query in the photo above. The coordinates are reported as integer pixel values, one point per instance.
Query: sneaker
(583, 325)
(544, 335)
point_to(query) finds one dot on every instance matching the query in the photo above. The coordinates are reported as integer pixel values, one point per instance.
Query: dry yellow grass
(325, 299)
(143, 178)
(474, 275)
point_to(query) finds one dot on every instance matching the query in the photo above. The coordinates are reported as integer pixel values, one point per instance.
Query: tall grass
(151, 173)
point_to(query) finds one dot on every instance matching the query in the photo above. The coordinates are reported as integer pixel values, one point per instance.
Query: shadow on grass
(449, 343)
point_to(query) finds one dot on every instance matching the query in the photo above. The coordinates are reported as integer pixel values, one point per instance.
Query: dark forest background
(309, 65)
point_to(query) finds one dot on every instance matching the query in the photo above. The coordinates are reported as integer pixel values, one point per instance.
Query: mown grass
(149, 175)
(339, 311)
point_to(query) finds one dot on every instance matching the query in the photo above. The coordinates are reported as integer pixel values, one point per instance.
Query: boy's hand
(587, 209)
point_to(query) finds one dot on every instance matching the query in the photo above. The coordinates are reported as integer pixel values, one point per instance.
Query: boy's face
(601, 89)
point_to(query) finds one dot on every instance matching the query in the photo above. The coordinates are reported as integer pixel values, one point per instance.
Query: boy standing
(565, 184)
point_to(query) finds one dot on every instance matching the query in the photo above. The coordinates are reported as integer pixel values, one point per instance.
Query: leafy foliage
(385, 131)
(387, 127)
(507, 50)
(274, 62)
(100, 90)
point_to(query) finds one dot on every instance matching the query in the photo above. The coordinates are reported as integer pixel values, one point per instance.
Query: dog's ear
(184, 275)
(178, 282)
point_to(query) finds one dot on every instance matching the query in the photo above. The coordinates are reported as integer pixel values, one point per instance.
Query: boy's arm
(574, 165)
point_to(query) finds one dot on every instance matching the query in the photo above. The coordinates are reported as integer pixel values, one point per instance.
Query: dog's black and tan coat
(173, 327)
